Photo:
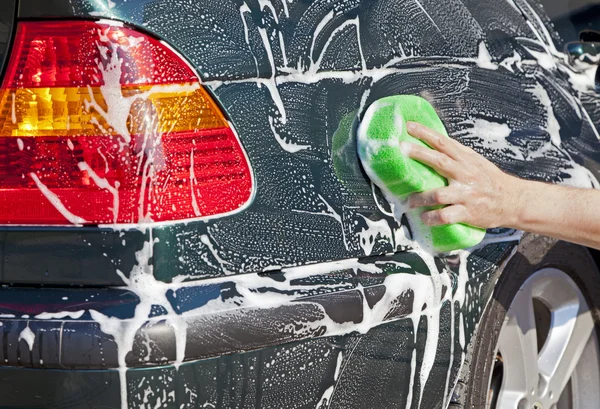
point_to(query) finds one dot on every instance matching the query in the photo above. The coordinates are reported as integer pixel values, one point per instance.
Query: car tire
(535, 255)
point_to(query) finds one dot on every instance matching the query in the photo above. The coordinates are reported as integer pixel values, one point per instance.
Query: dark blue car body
(296, 275)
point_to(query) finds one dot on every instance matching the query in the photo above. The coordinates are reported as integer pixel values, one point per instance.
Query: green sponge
(379, 135)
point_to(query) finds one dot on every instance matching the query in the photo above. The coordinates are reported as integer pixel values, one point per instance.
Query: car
(185, 223)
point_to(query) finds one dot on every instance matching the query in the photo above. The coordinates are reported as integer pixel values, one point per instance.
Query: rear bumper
(368, 371)
(242, 337)
(61, 329)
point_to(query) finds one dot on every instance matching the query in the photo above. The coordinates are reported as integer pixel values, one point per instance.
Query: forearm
(566, 213)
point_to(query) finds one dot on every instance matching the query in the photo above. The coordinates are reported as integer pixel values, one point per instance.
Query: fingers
(435, 197)
(447, 215)
(439, 161)
(434, 139)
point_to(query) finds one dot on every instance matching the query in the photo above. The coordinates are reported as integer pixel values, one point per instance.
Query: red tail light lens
(103, 124)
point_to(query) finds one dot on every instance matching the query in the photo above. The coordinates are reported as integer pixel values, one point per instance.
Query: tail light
(102, 124)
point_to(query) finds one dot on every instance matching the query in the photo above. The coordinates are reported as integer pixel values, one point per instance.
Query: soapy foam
(330, 212)
(368, 236)
(484, 59)
(427, 289)
(28, 336)
(287, 146)
(315, 66)
(243, 10)
(60, 315)
(328, 394)
(509, 62)
(151, 292)
(428, 16)
(193, 185)
(491, 135)
(324, 22)
(56, 202)
(553, 126)
(103, 184)
(13, 111)
(267, 4)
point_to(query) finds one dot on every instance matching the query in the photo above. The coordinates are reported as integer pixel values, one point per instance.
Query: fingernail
(426, 218)
(405, 148)
(411, 126)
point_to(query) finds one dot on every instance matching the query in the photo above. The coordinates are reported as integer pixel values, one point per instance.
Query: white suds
(60, 315)
(428, 16)
(316, 65)
(509, 62)
(103, 183)
(553, 127)
(322, 24)
(193, 186)
(484, 59)
(28, 336)
(329, 212)
(13, 112)
(150, 292)
(325, 400)
(52, 198)
(491, 135)
(287, 146)
(368, 236)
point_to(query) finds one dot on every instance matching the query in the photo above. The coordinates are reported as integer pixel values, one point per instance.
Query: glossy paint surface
(294, 79)
(298, 85)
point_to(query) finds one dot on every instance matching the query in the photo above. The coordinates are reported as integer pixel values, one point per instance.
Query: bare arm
(480, 194)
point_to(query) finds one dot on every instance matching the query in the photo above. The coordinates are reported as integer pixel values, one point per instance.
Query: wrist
(518, 202)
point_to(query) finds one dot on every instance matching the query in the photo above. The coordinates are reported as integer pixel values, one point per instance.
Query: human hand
(478, 194)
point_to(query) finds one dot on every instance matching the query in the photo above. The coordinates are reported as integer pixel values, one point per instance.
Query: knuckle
(443, 217)
(468, 217)
(427, 218)
(469, 174)
(438, 197)
(443, 162)
(416, 150)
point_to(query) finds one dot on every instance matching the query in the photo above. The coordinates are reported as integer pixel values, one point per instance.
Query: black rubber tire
(534, 253)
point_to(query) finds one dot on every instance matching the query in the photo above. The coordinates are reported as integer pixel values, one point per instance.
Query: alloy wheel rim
(548, 350)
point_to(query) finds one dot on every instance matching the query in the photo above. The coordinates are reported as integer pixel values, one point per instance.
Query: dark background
(572, 16)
